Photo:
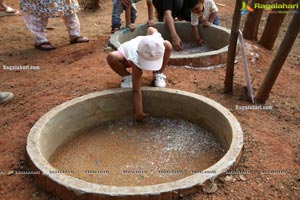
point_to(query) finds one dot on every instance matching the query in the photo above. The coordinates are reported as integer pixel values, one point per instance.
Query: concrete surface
(215, 36)
(69, 118)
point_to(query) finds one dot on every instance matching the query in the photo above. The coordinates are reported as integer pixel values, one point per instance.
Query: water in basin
(127, 153)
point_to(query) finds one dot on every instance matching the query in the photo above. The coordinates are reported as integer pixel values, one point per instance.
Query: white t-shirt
(129, 48)
(209, 7)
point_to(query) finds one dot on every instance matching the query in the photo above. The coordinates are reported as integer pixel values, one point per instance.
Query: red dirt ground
(271, 156)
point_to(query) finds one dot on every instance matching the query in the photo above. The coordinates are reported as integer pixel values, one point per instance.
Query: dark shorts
(180, 8)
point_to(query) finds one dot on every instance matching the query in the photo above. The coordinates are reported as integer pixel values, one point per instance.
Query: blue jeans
(117, 10)
(216, 21)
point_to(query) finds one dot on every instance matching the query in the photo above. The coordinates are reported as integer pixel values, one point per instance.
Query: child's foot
(159, 80)
(126, 82)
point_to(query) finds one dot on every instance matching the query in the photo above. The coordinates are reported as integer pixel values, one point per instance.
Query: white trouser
(38, 25)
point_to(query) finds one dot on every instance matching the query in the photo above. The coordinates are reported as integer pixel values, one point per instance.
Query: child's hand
(131, 27)
(206, 24)
(177, 43)
(126, 2)
(141, 117)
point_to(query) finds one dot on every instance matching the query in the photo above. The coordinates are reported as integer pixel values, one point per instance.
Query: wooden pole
(281, 55)
(272, 27)
(252, 22)
(232, 47)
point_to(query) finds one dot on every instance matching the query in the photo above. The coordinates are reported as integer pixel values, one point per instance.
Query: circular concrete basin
(70, 118)
(216, 37)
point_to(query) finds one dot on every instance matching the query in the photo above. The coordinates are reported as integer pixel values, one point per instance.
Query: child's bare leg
(167, 54)
(117, 63)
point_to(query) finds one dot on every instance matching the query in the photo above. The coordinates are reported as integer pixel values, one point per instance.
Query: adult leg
(116, 15)
(73, 28)
(133, 13)
(37, 25)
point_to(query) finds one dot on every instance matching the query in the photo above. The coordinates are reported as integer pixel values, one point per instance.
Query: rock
(173, 82)
(11, 172)
(211, 188)
(242, 177)
(221, 179)
(230, 179)
(35, 195)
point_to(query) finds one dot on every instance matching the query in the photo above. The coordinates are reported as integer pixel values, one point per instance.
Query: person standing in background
(37, 12)
(130, 14)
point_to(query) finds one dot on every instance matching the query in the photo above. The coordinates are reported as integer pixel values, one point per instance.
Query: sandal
(113, 30)
(79, 39)
(8, 12)
(45, 46)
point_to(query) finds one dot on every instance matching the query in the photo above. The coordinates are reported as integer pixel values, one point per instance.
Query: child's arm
(150, 13)
(212, 17)
(195, 25)
(205, 22)
(128, 17)
(213, 12)
(137, 94)
(198, 39)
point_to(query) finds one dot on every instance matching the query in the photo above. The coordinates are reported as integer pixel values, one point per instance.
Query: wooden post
(232, 47)
(281, 55)
(272, 27)
(252, 22)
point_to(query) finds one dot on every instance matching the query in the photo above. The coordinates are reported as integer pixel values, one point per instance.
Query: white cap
(151, 51)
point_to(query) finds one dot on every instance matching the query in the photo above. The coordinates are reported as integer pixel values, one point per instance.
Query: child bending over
(130, 14)
(149, 52)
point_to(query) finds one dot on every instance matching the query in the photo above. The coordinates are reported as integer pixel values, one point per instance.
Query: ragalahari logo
(246, 8)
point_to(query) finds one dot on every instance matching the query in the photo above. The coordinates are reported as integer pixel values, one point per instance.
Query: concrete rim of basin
(79, 187)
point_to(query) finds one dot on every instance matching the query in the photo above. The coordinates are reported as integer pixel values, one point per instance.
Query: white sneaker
(159, 80)
(126, 82)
